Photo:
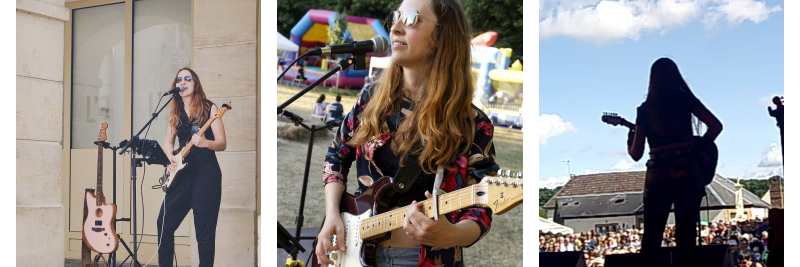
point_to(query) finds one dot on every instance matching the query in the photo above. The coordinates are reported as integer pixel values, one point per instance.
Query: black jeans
(200, 191)
(671, 181)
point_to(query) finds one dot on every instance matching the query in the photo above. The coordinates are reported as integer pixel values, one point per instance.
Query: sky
(595, 57)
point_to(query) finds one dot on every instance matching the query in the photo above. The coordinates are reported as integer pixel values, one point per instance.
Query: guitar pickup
(98, 229)
(98, 222)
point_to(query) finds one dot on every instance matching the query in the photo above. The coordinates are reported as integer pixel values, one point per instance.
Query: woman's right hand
(172, 165)
(332, 226)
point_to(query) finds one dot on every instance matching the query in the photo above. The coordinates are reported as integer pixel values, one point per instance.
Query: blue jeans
(397, 256)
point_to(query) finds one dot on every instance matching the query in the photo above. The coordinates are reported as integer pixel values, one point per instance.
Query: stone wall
(40, 84)
(224, 54)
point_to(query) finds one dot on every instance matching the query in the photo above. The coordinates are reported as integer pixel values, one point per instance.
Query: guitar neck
(393, 219)
(199, 132)
(629, 125)
(99, 192)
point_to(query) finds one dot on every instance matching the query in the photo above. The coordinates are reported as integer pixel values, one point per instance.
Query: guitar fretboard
(99, 192)
(393, 219)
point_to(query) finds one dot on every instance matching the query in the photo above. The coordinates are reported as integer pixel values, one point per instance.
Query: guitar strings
(370, 230)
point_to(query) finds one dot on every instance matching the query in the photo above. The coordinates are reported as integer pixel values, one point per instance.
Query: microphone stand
(360, 63)
(137, 162)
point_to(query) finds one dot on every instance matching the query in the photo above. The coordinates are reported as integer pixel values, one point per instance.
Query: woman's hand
(422, 229)
(332, 226)
(172, 165)
(199, 141)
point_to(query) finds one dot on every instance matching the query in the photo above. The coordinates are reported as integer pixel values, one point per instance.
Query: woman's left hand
(422, 229)
(199, 141)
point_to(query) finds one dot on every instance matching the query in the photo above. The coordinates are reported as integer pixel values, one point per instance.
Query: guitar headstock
(102, 137)
(502, 194)
(611, 118)
(225, 107)
(616, 120)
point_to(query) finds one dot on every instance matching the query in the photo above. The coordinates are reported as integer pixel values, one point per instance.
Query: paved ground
(77, 263)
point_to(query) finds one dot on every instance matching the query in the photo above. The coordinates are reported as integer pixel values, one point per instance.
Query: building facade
(611, 201)
(81, 63)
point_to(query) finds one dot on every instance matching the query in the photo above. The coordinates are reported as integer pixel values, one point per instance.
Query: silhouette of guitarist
(673, 170)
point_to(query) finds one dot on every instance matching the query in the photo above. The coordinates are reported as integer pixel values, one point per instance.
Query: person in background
(745, 261)
(320, 105)
(367, 83)
(336, 110)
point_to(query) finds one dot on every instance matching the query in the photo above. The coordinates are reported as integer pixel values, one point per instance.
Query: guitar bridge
(98, 229)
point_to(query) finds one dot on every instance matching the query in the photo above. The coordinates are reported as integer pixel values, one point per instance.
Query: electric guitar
(366, 218)
(98, 228)
(708, 154)
(182, 152)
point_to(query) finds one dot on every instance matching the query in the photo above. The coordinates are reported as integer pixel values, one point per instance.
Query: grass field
(502, 246)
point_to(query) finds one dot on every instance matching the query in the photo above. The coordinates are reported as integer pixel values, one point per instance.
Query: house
(610, 201)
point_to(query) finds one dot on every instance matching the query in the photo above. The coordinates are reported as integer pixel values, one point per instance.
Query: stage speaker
(562, 259)
(706, 256)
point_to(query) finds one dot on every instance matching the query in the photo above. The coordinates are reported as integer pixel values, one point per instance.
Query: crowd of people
(747, 240)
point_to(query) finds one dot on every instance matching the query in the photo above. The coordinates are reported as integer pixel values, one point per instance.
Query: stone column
(40, 88)
(224, 56)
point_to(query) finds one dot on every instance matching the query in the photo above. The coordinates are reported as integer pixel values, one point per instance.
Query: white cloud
(623, 165)
(772, 156)
(553, 182)
(765, 174)
(603, 21)
(551, 125)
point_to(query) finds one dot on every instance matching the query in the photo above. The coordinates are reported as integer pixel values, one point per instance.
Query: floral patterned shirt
(467, 170)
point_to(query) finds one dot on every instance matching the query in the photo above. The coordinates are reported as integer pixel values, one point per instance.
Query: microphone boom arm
(343, 64)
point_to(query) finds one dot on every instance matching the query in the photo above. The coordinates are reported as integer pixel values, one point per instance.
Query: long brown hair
(667, 88)
(442, 119)
(200, 109)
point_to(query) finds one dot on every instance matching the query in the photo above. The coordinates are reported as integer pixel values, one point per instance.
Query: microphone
(176, 90)
(377, 45)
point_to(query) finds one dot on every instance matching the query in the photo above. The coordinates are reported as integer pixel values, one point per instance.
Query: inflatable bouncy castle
(312, 31)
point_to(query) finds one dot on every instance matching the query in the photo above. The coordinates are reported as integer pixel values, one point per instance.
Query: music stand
(287, 242)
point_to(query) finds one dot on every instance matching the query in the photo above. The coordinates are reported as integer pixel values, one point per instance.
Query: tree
(336, 33)
(501, 16)
(542, 213)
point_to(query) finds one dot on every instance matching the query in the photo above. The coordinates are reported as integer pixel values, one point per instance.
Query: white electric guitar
(181, 153)
(363, 225)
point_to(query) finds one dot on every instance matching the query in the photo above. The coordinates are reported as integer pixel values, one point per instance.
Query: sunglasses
(409, 16)
(187, 78)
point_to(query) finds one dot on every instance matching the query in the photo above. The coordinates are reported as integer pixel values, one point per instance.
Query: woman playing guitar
(424, 95)
(674, 175)
(200, 186)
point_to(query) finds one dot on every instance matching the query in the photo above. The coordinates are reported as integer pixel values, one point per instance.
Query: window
(98, 74)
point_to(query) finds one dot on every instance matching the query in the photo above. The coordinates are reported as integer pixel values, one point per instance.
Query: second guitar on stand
(98, 228)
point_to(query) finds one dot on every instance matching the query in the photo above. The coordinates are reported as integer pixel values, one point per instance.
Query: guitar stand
(298, 121)
(112, 257)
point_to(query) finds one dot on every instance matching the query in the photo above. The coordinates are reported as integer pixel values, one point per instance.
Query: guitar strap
(409, 172)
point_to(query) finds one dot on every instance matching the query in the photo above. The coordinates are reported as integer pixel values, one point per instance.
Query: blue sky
(595, 56)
